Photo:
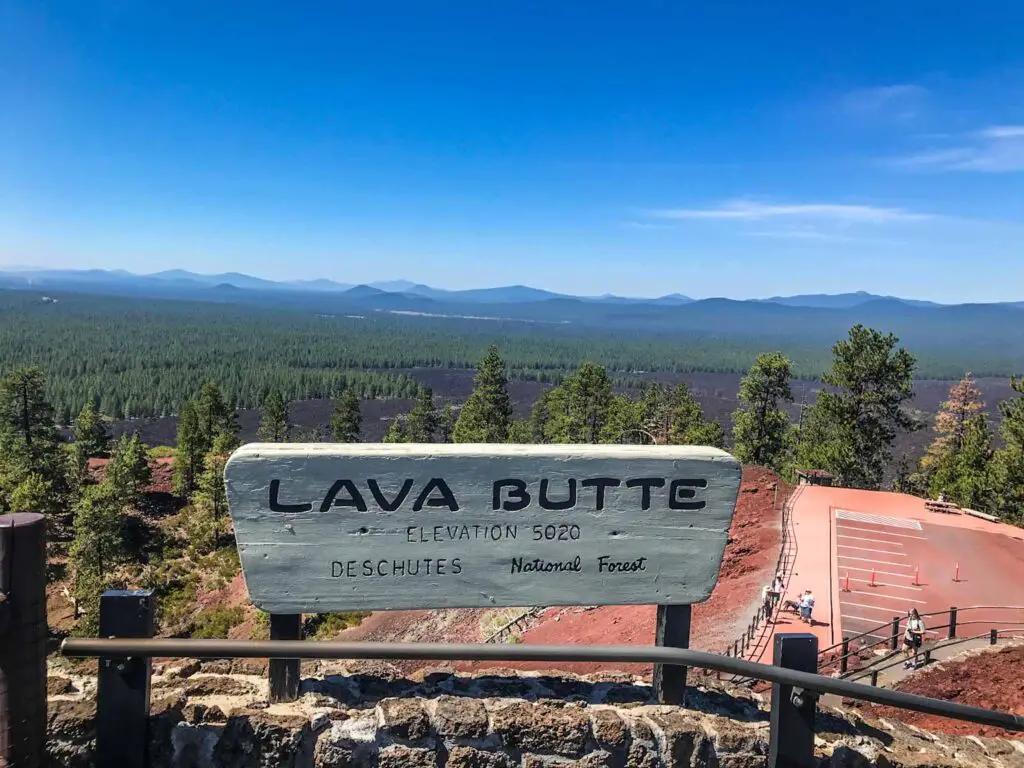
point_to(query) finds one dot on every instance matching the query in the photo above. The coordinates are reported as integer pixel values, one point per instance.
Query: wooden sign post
(342, 527)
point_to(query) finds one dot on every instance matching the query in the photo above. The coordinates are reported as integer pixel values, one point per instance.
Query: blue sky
(712, 148)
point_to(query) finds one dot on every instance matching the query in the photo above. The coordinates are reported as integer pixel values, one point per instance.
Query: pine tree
(422, 422)
(966, 475)
(849, 433)
(1008, 461)
(689, 427)
(762, 434)
(31, 449)
(210, 499)
(397, 432)
(90, 431)
(274, 426)
(346, 421)
(128, 472)
(951, 424)
(624, 425)
(487, 414)
(191, 450)
(446, 421)
(214, 416)
(97, 546)
(535, 428)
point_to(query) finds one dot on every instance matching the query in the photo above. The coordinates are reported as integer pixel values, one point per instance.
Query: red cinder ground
(750, 559)
(162, 469)
(990, 679)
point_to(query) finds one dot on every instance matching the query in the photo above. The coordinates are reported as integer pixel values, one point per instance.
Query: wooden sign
(332, 527)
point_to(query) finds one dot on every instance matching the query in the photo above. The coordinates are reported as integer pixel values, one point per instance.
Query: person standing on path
(913, 638)
(807, 607)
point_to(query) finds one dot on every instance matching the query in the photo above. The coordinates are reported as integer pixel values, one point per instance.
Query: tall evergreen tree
(30, 445)
(97, 546)
(689, 427)
(397, 432)
(210, 499)
(850, 432)
(91, 433)
(274, 426)
(951, 426)
(128, 472)
(576, 411)
(346, 421)
(1008, 461)
(623, 424)
(965, 475)
(191, 450)
(214, 415)
(422, 422)
(487, 414)
(535, 427)
(761, 429)
(446, 420)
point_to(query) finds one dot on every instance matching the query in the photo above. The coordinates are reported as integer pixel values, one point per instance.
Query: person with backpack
(913, 638)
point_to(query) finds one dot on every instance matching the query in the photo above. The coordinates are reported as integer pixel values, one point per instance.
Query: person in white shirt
(913, 638)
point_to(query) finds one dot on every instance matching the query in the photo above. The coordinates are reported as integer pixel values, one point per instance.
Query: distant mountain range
(180, 283)
(979, 337)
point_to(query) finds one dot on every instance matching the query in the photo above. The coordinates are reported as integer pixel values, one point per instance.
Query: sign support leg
(673, 631)
(284, 673)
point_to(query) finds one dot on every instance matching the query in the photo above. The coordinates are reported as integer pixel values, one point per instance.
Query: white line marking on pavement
(870, 570)
(880, 533)
(869, 560)
(865, 538)
(869, 607)
(896, 586)
(894, 522)
(866, 549)
(898, 598)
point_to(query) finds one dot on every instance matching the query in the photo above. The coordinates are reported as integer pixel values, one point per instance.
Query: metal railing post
(122, 685)
(844, 661)
(894, 641)
(993, 636)
(23, 636)
(952, 623)
(791, 740)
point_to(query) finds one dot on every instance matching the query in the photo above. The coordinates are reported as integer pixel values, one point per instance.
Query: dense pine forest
(135, 357)
(110, 528)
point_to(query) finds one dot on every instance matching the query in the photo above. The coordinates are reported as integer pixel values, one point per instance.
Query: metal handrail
(299, 649)
(888, 624)
(859, 674)
(856, 652)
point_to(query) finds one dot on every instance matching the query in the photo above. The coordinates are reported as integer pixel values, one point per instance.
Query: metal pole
(122, 685)
(791, 740)
(263, 649)
(671, 631)
(23, 635)
(952, 622)
(284, 673)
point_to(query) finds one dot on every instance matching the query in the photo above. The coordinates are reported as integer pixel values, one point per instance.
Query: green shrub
(323, 626)
(162, 451)
(216, 621)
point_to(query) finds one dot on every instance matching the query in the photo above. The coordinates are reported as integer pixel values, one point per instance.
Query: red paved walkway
(842, 532)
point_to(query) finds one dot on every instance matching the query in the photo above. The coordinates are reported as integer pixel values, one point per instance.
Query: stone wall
(369, 715)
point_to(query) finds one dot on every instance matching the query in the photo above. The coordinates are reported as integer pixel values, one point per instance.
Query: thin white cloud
(901, 101)
(743, 210)
(996, 149)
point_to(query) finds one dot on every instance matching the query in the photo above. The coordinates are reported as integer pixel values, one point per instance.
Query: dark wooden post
(791, 735)
(122, 685)
(844, 662)
(952, 622)
(894, 641)
(284, 673)
(23, 635)
(993, 636)
(672, 631)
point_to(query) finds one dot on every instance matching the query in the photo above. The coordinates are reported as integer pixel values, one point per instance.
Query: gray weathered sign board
(332, 527)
